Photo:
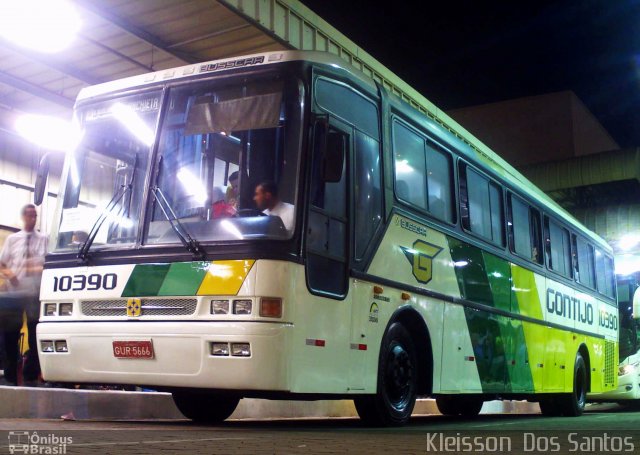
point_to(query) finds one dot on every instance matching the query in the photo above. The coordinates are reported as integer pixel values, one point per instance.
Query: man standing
(21, 263)
(267, 199)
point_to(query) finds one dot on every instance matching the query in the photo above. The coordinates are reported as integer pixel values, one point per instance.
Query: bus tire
(572, 404)
(461, 405)
(447, 406)
(470, 407)
(550, 407)
(397, 381)
(204, 407)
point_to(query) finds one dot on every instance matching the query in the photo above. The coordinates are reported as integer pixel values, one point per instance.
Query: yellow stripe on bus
(225, 277)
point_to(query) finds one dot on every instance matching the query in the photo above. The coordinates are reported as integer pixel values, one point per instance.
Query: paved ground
(336, 435)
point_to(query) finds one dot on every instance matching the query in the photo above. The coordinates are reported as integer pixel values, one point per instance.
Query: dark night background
(463, 53)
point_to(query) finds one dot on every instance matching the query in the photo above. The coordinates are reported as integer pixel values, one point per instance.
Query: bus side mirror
(41, 179)
(333, 157)
(636, 304)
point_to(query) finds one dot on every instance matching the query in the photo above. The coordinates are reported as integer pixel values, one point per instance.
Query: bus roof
(476, 148)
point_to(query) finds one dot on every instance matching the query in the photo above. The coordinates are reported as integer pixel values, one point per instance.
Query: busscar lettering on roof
(231, 64)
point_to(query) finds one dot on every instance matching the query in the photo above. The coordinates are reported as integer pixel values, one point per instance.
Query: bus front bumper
(628, 389)
(182, 354)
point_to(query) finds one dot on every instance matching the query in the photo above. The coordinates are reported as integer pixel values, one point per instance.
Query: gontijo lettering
(569, 307)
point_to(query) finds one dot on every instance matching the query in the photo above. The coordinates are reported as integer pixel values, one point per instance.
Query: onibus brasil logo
(30, 442)
(420, 256)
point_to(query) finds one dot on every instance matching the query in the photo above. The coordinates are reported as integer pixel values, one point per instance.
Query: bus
(628, 391)
(408, 265)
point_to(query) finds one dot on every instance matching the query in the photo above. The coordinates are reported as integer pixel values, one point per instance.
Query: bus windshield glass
(223, 146)
(106, 173)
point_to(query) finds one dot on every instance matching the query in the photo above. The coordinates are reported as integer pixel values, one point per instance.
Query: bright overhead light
(627, 264)
(628, 241)
(50, 133)
(43, 25)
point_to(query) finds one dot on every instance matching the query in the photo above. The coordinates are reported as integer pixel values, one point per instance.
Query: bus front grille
(149, 307)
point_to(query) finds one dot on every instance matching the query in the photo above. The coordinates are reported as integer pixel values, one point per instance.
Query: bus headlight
(270, 307)
(240, 350)
(65, 309)
(219, 307)
(49, 309)
(46, 346)
(627, 369)
(61, 346)
(220, 349)
(242, 306)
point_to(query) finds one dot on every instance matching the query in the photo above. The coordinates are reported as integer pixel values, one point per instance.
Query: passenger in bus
(79, 237)
(535, 256)
(219, 207)
(267, 199)
(231, 197)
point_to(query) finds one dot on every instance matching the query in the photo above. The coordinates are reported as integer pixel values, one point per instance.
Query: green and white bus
(414, 266)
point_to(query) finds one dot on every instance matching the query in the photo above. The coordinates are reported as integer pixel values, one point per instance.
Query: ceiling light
(628, 241)
(50, 133)
(43, 25)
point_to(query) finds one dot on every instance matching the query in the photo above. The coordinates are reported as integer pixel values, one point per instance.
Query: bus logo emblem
(134, 308)
(420, 256)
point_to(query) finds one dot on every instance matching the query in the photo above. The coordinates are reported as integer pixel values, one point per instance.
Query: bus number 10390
(92, 282)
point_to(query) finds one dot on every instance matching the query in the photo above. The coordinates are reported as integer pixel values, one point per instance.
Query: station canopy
(121, 38)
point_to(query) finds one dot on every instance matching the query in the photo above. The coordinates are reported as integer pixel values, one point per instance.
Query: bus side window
(423, 173)
(583, 264)
(481, 205)
(604, 274)
(409, 163)
(440, 185)
(525, 230)
(557, 247)
(367, 191)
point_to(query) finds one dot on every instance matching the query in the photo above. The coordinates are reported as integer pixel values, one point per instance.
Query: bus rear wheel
(205, 407)
(572, 404)
(550, 407)
(397, 381)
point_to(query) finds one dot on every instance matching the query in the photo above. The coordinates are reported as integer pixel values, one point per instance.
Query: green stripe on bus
(184, 278)
(498, 341)
(145, 280)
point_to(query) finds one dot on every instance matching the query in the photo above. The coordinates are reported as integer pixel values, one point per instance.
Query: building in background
(557, 143)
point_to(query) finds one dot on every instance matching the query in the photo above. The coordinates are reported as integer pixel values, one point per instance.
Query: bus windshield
(106, 173)
(221, 142)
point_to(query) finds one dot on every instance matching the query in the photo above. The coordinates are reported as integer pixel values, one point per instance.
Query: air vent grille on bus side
(609, 362)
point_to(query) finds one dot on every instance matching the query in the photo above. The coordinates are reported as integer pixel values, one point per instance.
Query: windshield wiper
(191, 244)
(83, 253)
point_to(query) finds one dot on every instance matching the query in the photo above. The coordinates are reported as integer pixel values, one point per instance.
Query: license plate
(133, 349)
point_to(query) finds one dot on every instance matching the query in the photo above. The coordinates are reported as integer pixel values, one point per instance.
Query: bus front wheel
(572, 404)
(204, 407)
(397, 381)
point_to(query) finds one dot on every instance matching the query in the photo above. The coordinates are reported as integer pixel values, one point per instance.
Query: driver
(267, 200)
